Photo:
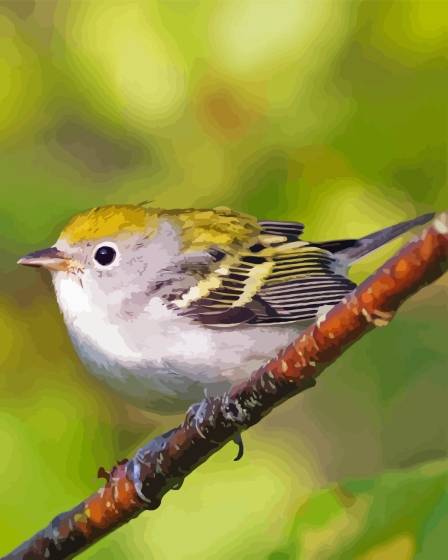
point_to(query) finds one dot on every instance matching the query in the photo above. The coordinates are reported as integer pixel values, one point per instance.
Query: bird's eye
(105, 255)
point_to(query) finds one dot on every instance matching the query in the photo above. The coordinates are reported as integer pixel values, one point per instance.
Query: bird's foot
(195, 417)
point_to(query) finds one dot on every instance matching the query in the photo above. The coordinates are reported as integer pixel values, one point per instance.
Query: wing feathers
(301, 299)
(282, 228)
(275, 283)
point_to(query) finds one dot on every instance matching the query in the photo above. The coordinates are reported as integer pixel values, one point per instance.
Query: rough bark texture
(164, 462)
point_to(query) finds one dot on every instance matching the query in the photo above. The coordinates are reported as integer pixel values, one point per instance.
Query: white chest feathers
(155, 358)
(87, 316)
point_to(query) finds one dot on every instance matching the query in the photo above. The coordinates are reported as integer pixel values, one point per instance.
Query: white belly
(157, 359)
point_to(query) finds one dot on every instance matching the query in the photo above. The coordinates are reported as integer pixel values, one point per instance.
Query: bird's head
(104, 243)
(122, 251)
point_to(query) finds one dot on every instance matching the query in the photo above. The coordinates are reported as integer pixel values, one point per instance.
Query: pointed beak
(49, 258)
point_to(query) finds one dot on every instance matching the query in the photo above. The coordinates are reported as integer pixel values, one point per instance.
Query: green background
(331, 113)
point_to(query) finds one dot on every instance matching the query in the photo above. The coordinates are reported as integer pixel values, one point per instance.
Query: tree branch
(164, 462)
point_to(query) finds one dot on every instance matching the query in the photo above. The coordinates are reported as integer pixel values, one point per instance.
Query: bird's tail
(361, 247)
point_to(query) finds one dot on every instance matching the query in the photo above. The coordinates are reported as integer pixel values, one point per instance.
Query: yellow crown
(107, 221)
(200, 229)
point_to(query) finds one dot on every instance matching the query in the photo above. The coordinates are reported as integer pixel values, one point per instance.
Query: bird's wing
(265, 275)
(269, 282)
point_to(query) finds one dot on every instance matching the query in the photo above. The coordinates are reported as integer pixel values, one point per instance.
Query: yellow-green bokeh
(330, 113)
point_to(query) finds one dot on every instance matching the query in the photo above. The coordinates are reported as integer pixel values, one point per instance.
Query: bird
(163, 306)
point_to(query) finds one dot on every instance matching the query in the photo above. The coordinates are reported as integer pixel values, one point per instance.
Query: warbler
(164, 304)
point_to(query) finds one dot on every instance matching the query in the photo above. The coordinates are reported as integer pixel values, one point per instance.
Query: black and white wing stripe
(291, 230)
(299, 300)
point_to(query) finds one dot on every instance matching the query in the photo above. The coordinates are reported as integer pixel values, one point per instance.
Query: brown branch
(164, 462)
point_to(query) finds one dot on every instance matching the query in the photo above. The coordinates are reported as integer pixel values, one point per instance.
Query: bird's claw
(239, 441)
(196, 412)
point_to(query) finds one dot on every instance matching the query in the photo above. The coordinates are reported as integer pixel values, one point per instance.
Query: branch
(164, 462)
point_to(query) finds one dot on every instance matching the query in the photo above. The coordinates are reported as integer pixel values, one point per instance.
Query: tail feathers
(370, 243)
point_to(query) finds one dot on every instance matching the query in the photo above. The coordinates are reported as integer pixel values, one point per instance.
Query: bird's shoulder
(214, 227)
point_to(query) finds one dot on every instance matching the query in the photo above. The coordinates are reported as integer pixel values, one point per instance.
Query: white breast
(86, 318)
(157, 359)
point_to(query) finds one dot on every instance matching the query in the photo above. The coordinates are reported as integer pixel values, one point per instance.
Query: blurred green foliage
(331, 113)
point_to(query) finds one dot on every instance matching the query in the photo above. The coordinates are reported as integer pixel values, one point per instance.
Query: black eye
(105, 255)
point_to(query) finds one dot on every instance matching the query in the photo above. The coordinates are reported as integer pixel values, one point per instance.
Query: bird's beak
(49, 258)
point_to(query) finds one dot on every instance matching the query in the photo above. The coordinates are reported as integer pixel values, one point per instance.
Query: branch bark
(165, 461)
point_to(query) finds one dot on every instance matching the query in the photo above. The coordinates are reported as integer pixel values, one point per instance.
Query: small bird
(164, 304)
